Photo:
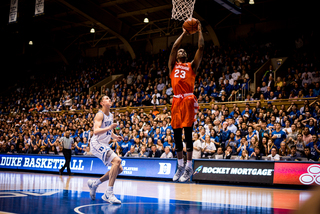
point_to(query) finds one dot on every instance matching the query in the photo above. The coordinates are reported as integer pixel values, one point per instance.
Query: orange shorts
(184, 111)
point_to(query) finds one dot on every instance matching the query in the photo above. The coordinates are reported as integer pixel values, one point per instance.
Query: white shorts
(103, 152)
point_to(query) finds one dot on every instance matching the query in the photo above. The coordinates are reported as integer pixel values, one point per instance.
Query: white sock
(180, 162)
(110, 189)
(97, 182)
(189, 163)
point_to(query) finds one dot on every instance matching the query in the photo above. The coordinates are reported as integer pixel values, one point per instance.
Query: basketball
(191, 25)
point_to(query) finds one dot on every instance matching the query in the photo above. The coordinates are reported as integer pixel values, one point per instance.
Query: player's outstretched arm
(198, 56)
(174, 50)
(97, 125)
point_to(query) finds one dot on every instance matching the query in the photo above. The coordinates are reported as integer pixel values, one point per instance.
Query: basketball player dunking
(184, 104)
(99, 146)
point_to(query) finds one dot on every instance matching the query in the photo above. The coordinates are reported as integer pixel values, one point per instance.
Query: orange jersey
(182, 78)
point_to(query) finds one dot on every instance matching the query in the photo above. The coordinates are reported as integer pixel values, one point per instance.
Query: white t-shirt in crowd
(275, 158)
(196, 154)
(236, 75)
(210, 146)
(164, 155)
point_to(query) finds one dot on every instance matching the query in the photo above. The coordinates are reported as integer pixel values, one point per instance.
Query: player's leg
(64, 151)
(189, 144)
(68, 160)
(106, 155)
(116, 169)
(179, 149)
(93, 184)
(190, 107)
(177, 131)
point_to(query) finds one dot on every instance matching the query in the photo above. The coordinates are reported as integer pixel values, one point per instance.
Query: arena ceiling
(67, 23)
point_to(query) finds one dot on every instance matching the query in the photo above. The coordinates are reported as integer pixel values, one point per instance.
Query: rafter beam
(95, 44)
(111, 3)
(141, 12)
(102, 18)
(70, 24)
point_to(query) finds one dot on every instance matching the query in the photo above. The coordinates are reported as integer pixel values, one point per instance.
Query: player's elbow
(95, 132)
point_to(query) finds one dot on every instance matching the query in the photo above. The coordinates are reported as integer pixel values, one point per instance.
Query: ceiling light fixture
(146, 20)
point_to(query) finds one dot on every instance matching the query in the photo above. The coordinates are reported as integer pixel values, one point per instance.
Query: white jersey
(105, 137)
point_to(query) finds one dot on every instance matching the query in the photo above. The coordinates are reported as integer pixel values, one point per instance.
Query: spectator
(208, 147)
(244, 155)
(52, 151)
(228, 152)
(196, 147)
(27, 149)
(308, 155)
(306, 137)
(284, 149)
(167, 153)
(143, 152)
(154, 153)
(224, 134)
(300, 145)
(268, 73)
(316, 90)
(219, 154)
(278, 135)
(294, 155)
(236, 75)
(274, 156)
(161, 85)
(314, 147)
(146, 101)
(35, 149)
(125, 145)
(279, 82)
(131, 152)
(170, 144)
(256, 155)
(232, 128)
(264, 88)
(4, 149)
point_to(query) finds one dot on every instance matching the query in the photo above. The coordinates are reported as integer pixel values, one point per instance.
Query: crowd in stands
(253, 133)
(33, 120)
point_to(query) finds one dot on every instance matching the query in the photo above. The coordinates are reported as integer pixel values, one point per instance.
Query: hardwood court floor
(24, 192)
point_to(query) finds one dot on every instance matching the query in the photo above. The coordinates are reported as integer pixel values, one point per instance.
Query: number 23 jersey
(182, 78)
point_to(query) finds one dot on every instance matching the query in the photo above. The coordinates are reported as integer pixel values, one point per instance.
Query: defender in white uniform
(99, 146)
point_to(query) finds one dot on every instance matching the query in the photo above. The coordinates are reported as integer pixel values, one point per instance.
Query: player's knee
(116, 162)
(189, 149)
(189, 144)
(179, 147)
(120, 169)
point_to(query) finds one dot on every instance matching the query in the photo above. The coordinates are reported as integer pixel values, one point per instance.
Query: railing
(104, 83)
(241, 104)
(244, 92)
(276, 64)
(234, 94)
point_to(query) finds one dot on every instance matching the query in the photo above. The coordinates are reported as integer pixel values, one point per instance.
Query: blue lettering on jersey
(108, 123)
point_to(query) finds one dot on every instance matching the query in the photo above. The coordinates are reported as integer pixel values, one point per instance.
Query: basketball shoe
(110, 198)
(179, 173)
(93, 189)
(186, 175)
